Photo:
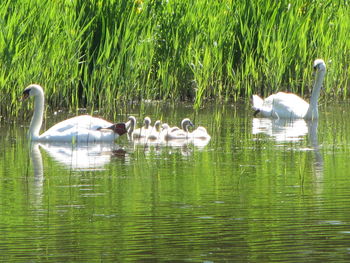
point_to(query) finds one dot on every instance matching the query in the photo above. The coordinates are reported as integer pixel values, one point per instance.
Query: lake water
(259, 191)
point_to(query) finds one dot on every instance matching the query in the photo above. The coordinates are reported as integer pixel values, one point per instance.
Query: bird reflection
(37, 163)
(283, 130)
(186, 146)
(92, 156)
(318, 164)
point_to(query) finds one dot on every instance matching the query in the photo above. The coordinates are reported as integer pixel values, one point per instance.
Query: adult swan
(290, 106)
(84, 128)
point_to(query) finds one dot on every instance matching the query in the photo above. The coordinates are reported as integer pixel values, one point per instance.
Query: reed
(96, 54)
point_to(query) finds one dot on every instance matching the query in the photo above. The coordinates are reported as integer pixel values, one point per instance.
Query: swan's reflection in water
(318, 163)
(80, 157)
(95, 156)
(186, 146)
(283, 130)
(92, 156)
(37, 186)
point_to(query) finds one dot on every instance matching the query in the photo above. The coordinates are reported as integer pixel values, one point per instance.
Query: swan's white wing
(80, 129)
(288, 105)
(80, 122)
(282, 105)
(79, 135)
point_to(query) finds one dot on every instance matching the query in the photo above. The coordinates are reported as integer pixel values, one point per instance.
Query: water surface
(259, 191)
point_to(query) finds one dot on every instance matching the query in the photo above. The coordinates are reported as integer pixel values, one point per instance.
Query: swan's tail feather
(257, 102)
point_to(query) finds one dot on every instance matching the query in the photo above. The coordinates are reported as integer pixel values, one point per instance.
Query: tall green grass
(99, 53)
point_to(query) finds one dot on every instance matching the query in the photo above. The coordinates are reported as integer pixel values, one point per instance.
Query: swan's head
(32, 90)
(118, 128)
(157, 124)
(165, 126)
(132, 119)
(319, 65)
(147, 122)
(185, 123)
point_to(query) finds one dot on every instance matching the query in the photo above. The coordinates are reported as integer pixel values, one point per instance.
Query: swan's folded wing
(289, 105)
(79, 123)
(74, 135)
(79, 129)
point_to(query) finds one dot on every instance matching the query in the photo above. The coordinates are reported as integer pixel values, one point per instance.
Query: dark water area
(260, 191)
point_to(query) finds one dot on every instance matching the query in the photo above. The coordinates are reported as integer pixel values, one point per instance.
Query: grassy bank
(97, 53)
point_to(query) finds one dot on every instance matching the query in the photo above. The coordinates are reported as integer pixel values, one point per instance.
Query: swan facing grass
(84, 128)
(290, 106)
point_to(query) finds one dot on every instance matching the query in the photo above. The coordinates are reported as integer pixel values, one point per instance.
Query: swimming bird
(200, 133)
(144, 130)
(140, 132)
(176, 133)
(84, 128)
(154, 134)
(288, 105)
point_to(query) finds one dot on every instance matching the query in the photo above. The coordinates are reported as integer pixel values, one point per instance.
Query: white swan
(288, 105)
(84, 128)
(176, 133)
(140, 132)
(200, 133)
(154, 134)
(185, 123)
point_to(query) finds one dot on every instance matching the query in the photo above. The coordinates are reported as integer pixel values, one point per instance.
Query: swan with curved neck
(185, 123)
(174, 133)
(140, 132)
(155, 132)
(290, 106)
(131, 124)
(84, 128)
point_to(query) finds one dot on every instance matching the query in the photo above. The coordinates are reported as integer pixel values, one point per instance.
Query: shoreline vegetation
(98, 54)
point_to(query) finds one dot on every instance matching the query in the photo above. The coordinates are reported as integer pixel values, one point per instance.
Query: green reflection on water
(255, 193)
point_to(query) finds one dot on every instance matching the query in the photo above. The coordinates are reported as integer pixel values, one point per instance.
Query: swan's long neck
(131, 125)
(312, 112)
(37, 119)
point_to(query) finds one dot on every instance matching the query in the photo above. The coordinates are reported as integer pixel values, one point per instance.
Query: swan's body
(288, 105)
(84, 128)
(171, 133)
